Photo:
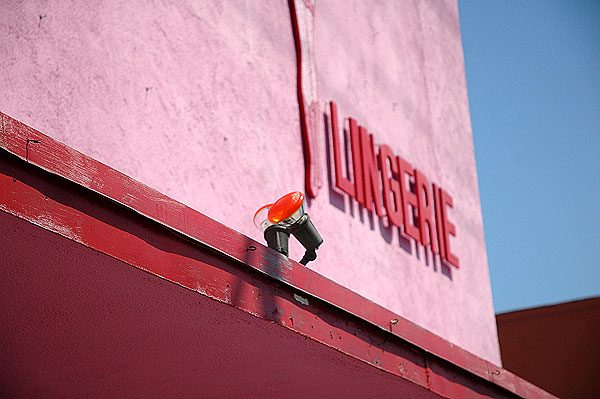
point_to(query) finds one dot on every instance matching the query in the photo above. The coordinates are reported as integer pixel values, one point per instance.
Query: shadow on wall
(386, 229)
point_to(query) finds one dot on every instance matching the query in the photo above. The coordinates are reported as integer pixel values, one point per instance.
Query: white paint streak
(303, 301)
(80, 169)
(47, 222)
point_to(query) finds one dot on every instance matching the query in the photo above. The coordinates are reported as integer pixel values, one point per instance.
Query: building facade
(224, 106)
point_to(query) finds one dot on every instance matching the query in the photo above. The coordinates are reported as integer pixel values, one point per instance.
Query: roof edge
(42, 151)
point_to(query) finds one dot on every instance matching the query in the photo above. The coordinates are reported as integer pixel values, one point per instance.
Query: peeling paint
(46, 222)
(300, 299)
(79, 169)
(2, 140)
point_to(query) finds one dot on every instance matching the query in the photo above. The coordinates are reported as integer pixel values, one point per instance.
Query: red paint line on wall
(303, 27)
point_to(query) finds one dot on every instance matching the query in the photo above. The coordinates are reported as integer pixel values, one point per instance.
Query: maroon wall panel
(555, 347)
(78, 323)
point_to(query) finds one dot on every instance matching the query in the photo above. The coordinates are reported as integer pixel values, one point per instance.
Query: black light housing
(287, 216)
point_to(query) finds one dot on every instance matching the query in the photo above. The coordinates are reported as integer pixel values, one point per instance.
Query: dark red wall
(555, 347)
(79, 324)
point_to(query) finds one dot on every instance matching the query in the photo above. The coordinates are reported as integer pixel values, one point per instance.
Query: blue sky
(533, 75)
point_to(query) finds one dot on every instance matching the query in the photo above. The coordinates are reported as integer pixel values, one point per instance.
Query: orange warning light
(286, 217)
(286, 206)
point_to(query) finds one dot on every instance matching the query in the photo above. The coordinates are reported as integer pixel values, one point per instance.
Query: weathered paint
(303, 23)
(199, 101)
(207, 258)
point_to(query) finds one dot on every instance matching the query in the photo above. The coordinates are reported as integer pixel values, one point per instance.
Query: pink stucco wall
(198, 100)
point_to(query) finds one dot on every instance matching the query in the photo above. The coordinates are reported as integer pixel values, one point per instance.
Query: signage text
(419, 209)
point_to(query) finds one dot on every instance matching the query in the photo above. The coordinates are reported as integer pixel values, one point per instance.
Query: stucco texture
(198, 100)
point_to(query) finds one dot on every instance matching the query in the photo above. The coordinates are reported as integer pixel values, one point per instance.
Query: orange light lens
(285, 206)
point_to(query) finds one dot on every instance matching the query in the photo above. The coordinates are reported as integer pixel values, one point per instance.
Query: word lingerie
(412, 194)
